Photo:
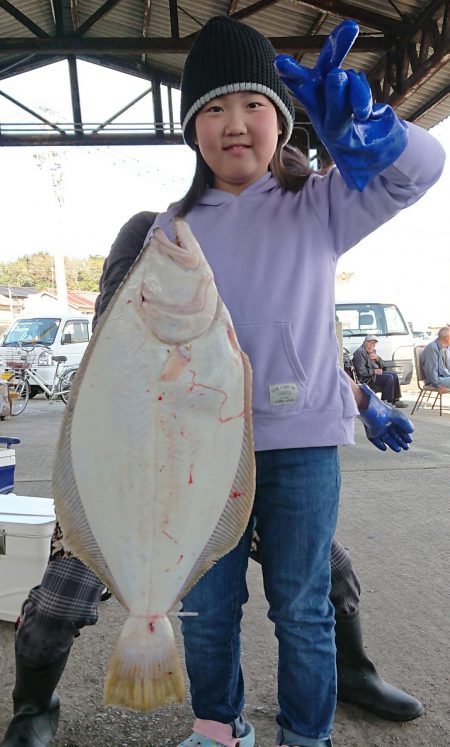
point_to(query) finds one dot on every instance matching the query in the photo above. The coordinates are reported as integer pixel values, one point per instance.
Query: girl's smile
(237, 135)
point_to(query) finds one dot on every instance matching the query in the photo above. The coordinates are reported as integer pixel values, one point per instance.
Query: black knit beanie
(228, 56)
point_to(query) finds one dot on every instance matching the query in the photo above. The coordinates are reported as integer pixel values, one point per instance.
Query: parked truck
(385, 320)
(66, 335)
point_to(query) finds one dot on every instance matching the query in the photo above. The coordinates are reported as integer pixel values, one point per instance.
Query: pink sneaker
(214, 734)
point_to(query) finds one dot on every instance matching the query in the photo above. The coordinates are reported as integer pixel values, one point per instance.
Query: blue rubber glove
(362, 138)
(384, 425)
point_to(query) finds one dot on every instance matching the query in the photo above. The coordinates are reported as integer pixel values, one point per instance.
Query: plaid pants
(67, 599)
(54, 612)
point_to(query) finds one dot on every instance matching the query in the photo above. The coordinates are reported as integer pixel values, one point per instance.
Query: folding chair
(425, 390)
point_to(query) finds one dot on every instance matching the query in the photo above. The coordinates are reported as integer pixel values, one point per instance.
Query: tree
(90, 271)
(37, 271)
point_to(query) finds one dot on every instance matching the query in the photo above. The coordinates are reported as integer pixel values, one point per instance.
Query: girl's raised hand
(308, 86)
(362, 138)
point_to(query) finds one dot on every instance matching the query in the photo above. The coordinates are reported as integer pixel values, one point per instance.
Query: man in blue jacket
(435, 361)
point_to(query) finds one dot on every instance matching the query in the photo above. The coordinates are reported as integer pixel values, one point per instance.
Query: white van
(63, 335)
(395, 341)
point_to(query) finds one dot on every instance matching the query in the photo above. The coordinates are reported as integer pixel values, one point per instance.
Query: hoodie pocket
(279, 381)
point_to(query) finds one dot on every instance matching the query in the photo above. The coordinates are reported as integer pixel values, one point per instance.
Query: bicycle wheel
(19, 393)
(65, 385)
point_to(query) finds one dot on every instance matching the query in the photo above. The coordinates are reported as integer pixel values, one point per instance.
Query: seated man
(435, 361)
(369, 370)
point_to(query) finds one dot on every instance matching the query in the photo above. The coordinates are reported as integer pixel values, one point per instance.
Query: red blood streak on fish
(160, 397)
(220, 391)
(151, 623)
(170, 536)
(235, 494)
(180, 559)
(190, 480)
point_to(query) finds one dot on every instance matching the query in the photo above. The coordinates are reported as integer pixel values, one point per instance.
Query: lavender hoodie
(274, 255)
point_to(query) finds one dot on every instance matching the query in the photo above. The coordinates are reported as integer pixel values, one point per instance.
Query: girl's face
(237, 135)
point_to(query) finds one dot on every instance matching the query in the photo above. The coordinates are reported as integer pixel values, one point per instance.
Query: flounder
(154, 476)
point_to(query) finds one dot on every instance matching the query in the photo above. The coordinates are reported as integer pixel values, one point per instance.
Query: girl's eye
(214, 108)
(254, 104)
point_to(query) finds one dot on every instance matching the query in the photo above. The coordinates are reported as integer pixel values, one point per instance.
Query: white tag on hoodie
(283, 394)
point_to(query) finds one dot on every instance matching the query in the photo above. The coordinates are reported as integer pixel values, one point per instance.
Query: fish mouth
(183, 252)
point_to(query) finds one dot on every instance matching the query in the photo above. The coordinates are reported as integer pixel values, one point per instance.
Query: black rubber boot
(36, 707)
(359, 682)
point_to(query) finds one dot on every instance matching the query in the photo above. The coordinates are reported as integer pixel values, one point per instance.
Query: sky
(76, 199)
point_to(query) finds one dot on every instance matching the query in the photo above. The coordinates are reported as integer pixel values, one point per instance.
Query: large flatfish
(154, 473)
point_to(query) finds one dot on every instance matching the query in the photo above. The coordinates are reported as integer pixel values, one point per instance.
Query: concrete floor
(395, 518)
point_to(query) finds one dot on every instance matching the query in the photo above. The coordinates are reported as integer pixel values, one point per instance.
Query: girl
(272, 232)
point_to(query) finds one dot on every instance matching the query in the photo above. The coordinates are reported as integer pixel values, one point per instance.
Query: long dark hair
(289, 166)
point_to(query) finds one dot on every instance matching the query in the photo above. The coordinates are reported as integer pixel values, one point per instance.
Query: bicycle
(21, 375)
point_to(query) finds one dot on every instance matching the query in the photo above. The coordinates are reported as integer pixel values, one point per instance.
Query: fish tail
(145, 669)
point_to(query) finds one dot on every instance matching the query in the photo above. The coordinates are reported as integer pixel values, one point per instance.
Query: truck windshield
(32, 331)
(370, 318)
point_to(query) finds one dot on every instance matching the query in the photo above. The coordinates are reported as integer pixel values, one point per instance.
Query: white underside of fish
(154, 474)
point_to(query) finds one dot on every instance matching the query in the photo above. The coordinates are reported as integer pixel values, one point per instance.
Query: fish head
(179, 296)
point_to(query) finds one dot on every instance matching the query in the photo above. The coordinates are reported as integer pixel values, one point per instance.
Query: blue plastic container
(7, 463)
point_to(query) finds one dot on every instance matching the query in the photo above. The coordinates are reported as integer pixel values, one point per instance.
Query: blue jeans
(295, 509)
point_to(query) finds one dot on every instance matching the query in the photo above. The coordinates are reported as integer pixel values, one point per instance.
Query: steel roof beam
(340, 9)
(58, 16)
(133, 67)
(138, 45)
(25, 64)
(174, 25)
(169, 138)
(23, 19)
(250, 10)
(75, 94)
(124, 109)
(100, 13)
(408, 64)
(74, 13)
(32, 112)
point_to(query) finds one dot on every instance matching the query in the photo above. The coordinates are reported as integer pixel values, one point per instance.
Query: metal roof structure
(403, 47)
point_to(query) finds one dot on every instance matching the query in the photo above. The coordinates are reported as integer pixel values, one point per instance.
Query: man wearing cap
(369, 370)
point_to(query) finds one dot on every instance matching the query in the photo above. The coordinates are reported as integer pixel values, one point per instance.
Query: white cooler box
(26, 526)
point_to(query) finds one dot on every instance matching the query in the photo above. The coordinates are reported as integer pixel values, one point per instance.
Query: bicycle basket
(17, 356)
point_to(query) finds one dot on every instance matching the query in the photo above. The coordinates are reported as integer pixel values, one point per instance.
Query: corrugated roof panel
(283, 18)
(430, 90)
(37, 11)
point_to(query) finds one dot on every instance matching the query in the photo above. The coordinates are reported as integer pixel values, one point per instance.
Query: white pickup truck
(395, 341)
(63, 335)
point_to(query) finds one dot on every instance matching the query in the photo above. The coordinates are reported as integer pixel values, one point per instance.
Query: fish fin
(145, 669)
(77, 534)
(234, 518)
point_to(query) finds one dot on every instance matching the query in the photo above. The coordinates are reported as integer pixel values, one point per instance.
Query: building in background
(16, 301)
